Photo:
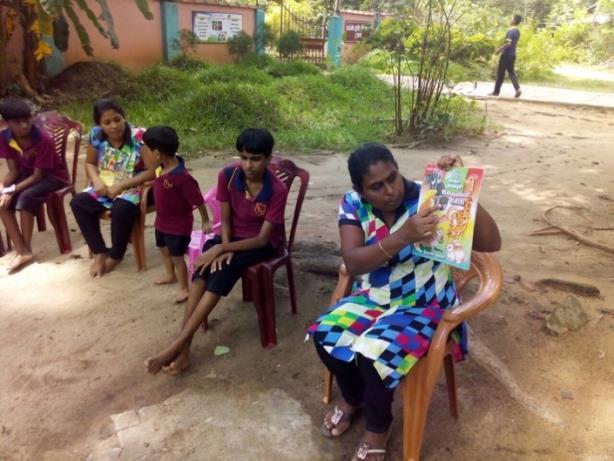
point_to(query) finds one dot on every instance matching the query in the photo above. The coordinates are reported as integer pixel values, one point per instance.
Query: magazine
(456, 192)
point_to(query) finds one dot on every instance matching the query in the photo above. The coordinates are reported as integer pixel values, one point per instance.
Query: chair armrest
(489, 272)
(344, 285)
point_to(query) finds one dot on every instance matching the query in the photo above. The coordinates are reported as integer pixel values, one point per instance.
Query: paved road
(531, 93)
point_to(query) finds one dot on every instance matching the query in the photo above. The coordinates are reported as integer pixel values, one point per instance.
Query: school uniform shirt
(248, 214)
(40, 154)
(176, 194)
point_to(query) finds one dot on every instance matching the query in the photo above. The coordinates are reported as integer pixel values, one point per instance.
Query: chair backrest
(286, 170)
(59, 127)
(214, 205)
(484, 266)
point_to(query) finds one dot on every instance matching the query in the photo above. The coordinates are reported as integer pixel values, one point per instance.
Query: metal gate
(311, 30)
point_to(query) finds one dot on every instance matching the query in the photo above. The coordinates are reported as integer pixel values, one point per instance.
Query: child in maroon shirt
(176, 194)
(253, 202)
(34, 171)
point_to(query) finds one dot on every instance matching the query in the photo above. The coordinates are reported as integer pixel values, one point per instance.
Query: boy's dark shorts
(221, 282)
(177, 244)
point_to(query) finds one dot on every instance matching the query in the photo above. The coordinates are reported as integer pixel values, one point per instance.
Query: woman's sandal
(365, 450)
(339, 416)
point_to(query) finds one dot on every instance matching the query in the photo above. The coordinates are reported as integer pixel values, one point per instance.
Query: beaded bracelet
(381, 247)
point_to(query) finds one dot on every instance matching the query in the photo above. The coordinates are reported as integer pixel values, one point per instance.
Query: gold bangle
(381, 247)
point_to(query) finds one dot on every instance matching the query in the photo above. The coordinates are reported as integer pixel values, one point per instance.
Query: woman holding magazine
(371, 339)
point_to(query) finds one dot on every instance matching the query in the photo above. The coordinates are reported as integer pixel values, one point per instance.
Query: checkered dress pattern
(393, 311)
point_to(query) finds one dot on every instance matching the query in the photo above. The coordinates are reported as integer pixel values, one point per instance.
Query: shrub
(280, 69)
(289, 43)
(186, 62)
(241, 45)
(159, 83)
(233, 73)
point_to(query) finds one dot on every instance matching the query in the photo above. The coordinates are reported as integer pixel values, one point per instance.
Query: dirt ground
(73, 348)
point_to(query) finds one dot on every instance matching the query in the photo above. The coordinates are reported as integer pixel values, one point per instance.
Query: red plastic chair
(59, 127)
(258, 279)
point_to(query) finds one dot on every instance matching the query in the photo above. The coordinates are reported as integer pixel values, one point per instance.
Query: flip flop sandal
(339, 416)
(365, 451)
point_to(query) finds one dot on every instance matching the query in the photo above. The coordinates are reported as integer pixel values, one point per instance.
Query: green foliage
(186, 42)
(186, 62)
(289, 43)
(452, 116)
(471, 49)
(292, 67)
(304, 108)
(241, 45)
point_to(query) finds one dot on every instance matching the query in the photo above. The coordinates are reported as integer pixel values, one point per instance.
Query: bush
(289, 43)
(453, 115)
(186, 62)
(159, 83)
(280, 69)
(232, 73)
(241, 45)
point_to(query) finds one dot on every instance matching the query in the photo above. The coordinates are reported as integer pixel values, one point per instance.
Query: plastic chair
(198, 239)
(59, 127)
(258, 279)
(418, 386)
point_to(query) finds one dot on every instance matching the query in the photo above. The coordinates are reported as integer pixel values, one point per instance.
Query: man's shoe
(518, 93)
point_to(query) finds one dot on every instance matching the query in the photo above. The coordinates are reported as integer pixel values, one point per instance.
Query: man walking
(508, 58)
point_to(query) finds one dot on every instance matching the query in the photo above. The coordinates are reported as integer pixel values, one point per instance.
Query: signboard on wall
(216, 27)
(355, 31)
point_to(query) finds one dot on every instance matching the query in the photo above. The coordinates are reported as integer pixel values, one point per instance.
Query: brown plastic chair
(418, 386)
(137, 237)
(258, 279)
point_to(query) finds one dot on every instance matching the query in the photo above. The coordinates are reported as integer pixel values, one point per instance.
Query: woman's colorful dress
(393, 311)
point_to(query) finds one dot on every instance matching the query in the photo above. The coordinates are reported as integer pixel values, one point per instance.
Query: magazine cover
(456, 191)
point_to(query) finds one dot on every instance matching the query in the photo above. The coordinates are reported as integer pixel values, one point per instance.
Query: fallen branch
(582, 289)
(568, 231)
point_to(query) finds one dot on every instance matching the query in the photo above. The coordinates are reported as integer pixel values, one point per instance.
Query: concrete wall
(140, 40)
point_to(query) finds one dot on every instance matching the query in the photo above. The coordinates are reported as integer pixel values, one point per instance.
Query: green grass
(304, 108)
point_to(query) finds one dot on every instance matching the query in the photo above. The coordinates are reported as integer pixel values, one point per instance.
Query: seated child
(253, 202)
(176, 194)
(34, 171)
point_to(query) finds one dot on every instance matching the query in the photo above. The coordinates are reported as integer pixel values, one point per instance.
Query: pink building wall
(357, 17)
(14, 51)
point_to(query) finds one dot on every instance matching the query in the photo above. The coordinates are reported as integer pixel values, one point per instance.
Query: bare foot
(154, 364)
(166, 280)
(179, 365)
(372, 447)
(339, 419)
(182, 296)
(111, 264)
(19, 261)
(97, 267)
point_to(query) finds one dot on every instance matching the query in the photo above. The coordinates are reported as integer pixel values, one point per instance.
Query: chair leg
(328, 386)
(40, 219)
(2, 250)
(415, 407)
(291, 288)
(268, 296)
(245, 286)
(138, 242)
(264, 311)
(448, 362)
(57, 216)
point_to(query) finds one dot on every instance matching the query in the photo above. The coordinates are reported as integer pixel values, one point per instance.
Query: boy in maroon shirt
(253, 202)
(176, 194)
(34, 171)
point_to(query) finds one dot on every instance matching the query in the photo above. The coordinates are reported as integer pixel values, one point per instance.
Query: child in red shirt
(176, 194)
(34, 171)
(253, 201)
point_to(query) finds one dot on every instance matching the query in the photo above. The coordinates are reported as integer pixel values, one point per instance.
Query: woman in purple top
(253, 202)
(34, 171)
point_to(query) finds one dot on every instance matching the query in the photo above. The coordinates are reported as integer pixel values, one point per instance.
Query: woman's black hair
(256, 141)
(162, 138)
(105, 104)
(362, 158)
(13, 108)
